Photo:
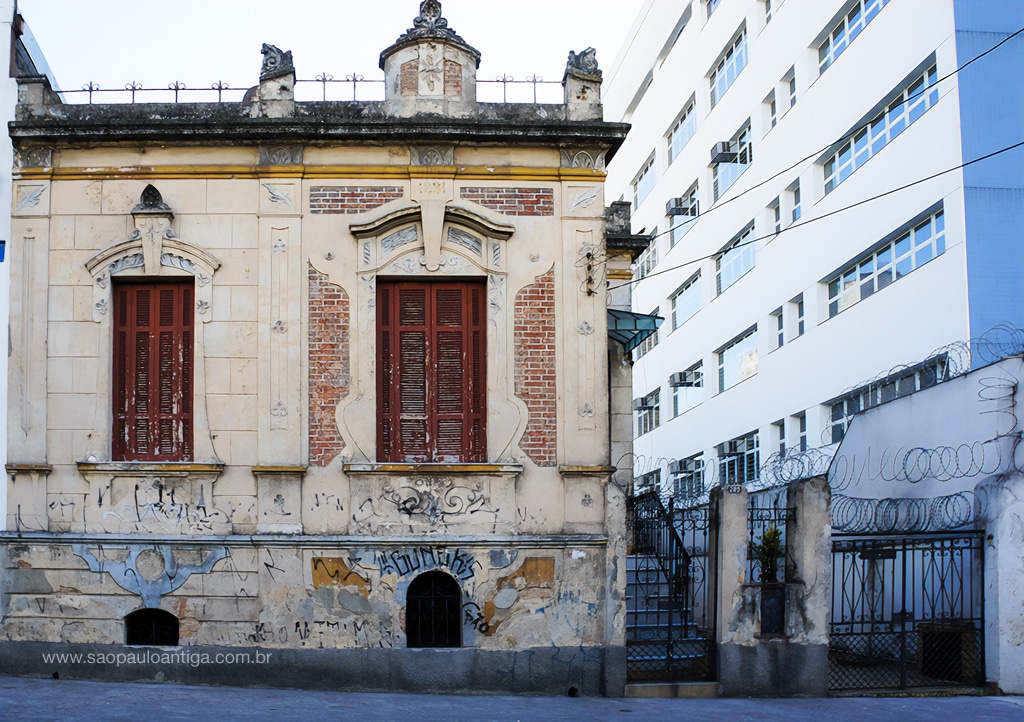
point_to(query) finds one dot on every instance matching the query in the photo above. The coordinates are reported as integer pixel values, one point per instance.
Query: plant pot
(773, 609)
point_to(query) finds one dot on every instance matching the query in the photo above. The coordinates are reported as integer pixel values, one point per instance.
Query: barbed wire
(853, 515)
(984, 459)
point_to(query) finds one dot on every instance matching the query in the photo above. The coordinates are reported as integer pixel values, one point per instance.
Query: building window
(798, 307)
(779, 326)
(644, 183)
(648, 412)
(648, 343)
(801, 425)
(688, 478)
(912, 248)
(684, 212)
(738, 360)
(773, 109)
(794, 199)
(733, 60)
(153, 362)
(647, 259)
(780, 435)
(790, 82)
(767, 11)
(874, 135)
(739, 460)
(651, 481)
(151, 627)
(735, 260)
(687, 388)
(682, 131)
(431, 374)
(894, 386)
(686, 301)
(730, 160)
(775, 215)
(847, 30)
(433, 611)
(712, 6)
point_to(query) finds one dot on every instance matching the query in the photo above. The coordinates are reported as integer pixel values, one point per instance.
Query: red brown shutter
(431, 372)
(153, 351)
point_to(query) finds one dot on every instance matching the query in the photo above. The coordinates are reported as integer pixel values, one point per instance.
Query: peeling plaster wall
(518, 600)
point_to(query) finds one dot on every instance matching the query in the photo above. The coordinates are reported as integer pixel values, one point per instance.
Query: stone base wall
(542, 670)
(773, 668)
(331, 613)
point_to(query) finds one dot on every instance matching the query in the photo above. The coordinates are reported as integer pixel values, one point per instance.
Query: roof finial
(276, 62)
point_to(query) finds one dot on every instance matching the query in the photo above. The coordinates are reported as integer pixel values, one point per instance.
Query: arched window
(433, 611)
(151, 627)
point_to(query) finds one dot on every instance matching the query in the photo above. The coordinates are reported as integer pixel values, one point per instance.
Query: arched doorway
(151, 627)
(433, 611)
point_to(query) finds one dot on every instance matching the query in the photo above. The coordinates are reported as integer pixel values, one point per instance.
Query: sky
(199, 42)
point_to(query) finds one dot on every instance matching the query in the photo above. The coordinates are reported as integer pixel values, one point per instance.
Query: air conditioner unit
(680, 207)
(675, 467)
(641, 404)
(684, 379)
(724, 152)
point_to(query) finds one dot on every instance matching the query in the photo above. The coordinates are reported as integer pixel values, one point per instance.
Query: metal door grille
(433, 605)
(907, 612)
(663, 640)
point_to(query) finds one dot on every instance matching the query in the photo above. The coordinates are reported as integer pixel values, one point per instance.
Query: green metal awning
(631, 329)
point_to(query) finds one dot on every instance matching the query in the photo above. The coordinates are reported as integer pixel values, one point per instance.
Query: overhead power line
(830, 213)
(817, 153)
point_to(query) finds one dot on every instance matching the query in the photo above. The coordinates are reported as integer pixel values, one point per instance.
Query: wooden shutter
(431, 372)
(153, 358)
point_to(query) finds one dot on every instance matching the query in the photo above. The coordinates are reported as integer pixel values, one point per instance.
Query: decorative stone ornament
(584, 63)
(582, 85)
(276, 62)
(430, 24)
(430, 69)
(151, 203)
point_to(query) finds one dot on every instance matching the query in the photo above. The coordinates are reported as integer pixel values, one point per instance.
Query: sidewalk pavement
(72, 700)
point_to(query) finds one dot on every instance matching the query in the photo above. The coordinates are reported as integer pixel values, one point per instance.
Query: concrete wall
(749, 661)
(954, 448)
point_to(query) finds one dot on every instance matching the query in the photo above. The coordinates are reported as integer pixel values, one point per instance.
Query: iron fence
(323, 87)
(767, 514)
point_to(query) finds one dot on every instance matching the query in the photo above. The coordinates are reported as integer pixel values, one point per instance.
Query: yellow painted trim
(619, 275)
(505, 174)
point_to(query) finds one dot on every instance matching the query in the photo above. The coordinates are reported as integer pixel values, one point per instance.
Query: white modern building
(817, 241)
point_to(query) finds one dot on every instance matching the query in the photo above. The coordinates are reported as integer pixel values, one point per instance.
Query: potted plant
(767, 553)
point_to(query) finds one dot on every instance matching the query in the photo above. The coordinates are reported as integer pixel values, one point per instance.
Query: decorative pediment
(428, 226)
(413, 214)
(154, 248)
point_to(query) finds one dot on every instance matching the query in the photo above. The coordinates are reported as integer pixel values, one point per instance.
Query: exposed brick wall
(409, 78)
(350, 199)
(452, 78)
(535, 367)
(328, 365)
(514, 201)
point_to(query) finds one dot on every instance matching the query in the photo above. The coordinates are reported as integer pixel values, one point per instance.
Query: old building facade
(328, 381)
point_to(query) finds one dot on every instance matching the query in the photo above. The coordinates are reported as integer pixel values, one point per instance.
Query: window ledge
(456, 469)
(146, 468)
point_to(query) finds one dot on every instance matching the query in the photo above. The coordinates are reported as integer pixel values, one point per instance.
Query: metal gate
(907, 611)
(664, 639)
